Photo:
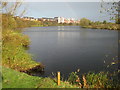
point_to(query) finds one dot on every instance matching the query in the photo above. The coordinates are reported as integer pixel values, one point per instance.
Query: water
(68, 48)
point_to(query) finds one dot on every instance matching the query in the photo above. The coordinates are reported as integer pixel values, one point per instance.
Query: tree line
(86, 23)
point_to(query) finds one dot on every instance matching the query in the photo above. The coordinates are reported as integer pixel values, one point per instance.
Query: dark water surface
(68, 48)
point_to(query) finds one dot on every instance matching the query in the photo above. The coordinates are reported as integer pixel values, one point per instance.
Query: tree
(104, 22)
(112, 9)
(12, 8)
(9, 10)
(119, 12)
(8, 22)
(85, 22)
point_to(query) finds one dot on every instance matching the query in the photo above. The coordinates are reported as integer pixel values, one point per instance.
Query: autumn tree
(112, 9)
(9, 10)
(12, 8)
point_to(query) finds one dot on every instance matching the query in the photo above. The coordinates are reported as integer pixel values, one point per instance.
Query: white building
(59, 19)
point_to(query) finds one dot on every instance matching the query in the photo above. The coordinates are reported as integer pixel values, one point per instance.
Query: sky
(76, 10)
(61, 0)
(56, 0)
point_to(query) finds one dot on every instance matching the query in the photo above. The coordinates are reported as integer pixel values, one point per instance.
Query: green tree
(104, 22)
(85, 22)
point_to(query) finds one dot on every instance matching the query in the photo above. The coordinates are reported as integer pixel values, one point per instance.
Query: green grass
(15, 79)
(14, 54)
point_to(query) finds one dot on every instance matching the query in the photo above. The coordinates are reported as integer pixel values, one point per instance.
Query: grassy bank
(14, 44)
(15, 79)
(14, 54)
(104, 26)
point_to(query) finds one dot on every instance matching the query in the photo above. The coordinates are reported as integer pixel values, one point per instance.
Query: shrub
(74, 78)
(10, 36)
(104, 22)
(13, 53)
(85, 22)
(8, 22)
(94, 80)
(99, 80)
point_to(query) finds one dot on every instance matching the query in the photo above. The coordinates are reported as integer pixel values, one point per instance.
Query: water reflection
(61, 35)
(60, 28)
(68, 48)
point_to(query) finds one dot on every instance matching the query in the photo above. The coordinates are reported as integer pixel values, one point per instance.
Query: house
(59, 19)
(30, 18)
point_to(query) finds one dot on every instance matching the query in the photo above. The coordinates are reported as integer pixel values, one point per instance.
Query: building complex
(56, 19)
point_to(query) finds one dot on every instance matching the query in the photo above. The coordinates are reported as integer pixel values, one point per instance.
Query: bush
(10, 36)
(13, 53)
(94, 80)
(74, 78)
(85, 22)
(8, 22)
(99, 80)
(104, 22)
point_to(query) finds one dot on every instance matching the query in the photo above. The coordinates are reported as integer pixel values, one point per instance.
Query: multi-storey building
(55, 19)
(59, 19)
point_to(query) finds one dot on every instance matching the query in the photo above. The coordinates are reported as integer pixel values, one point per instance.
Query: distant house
(35, 19)
(77, 21)
(65, 20)
(30, 18)
(46, 19)
(55, 19)
(59, 19)
(26, 18)
(16, 17)
(41, 19)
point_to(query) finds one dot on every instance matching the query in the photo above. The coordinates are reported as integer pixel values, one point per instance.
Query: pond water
(68, 48)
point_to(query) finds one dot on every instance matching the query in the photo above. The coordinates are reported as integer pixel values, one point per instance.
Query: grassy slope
(15, 79)
(14, 54)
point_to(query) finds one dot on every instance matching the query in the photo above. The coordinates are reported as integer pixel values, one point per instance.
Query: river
(68, 48)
